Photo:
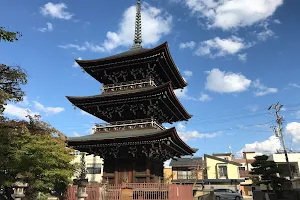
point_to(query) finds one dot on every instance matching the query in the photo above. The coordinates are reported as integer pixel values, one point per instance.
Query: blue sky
(238, 57)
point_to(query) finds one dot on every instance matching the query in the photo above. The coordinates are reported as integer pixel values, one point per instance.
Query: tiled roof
(116, 135)
(240, 160)
(186, 162)
(221, 160)
(222, 154)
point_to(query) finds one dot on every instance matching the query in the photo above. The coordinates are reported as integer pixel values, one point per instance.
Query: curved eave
(167, 87)
(91, 99)
(178, 103)
(164, 47)
(180, 142)
(168, 133)
(171, 62)
(121, 56)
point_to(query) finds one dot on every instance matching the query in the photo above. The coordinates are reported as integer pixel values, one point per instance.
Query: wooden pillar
(116, 173)
(133, 170)
(104, 177)
(147, 170)
(130, 178)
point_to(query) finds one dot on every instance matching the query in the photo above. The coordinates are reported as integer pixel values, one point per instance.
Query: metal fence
(137, 191)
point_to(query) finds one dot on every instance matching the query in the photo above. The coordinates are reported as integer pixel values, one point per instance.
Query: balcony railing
(128, 125)
(128, 85)
(183, 177)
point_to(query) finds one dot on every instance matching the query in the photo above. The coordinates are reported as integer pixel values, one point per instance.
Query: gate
(135, 191)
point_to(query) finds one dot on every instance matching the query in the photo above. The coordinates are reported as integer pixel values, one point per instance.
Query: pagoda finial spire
(138, 27)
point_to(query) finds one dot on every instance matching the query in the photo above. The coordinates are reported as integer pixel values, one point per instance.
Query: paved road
(248, 198)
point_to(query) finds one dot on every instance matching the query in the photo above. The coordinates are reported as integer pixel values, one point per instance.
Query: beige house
(222, 171)
(94, 166)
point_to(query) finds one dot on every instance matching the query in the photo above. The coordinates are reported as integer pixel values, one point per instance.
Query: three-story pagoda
(137, 98)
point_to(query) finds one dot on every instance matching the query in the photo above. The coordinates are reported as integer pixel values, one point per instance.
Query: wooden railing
(140, 191)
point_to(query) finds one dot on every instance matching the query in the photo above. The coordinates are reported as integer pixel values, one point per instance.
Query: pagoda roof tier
(158, 102)
(154, 141)
(136, 64)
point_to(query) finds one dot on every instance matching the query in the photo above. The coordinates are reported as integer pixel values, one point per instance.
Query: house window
(242, 168)
(94, 168)
(223, 171)
(181, 175)
(185, 175)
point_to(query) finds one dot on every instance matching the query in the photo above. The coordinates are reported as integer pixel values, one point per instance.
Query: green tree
(8, 36)
(11, 77)
(265, 172)
(36, 153)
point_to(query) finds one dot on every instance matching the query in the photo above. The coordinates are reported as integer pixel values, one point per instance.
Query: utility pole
(278, 133)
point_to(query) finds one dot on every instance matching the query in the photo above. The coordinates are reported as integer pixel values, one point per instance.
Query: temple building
(137, 98)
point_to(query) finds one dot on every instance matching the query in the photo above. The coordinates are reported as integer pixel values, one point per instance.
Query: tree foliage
(8, 36)
(265, 172)
(36, 153)
(11, 77)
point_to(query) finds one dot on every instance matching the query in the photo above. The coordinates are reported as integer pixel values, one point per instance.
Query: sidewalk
(247, 197)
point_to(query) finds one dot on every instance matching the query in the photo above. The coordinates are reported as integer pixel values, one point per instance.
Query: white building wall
(91, 160)
(280, 158)
(249, 155)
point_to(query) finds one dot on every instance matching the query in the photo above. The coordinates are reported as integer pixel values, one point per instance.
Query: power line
(235, 128)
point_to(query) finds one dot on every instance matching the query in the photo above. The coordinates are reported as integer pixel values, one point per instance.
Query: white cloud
(155, 24)
(226, 82)
(188, 73)
(261, 89)
(218, 47)
(25, 102)
(294, 85)
(75, 63)
(85, 47)
(18, 112)
(182, 94)
(191, 135)
(230, 14)
(49, 28)
(254, 108)
(76, 134)
(270, 145)
(276, 21)
(190, 44)
(56, 11)
(294, 129)
(85, 113)
(242, 57)
(264, 35)
(205, 97)
(47, 110)
(297, 114)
